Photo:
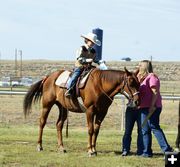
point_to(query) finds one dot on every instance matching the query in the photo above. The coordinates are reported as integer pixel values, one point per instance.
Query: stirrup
(68, 93)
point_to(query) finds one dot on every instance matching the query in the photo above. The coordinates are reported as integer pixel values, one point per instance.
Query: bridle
(122, 91)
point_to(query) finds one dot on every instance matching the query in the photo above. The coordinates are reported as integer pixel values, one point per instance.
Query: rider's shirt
(85, 55)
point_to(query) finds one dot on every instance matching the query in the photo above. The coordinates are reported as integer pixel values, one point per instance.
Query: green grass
(18, 148)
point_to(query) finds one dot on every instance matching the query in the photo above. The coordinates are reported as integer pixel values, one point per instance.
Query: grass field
(18, 138)
(18, 148)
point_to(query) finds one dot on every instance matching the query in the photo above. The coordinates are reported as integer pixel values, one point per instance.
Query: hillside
(169, 72)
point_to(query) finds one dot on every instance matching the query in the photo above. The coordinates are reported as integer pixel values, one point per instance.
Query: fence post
(178, 135)
(123, 114)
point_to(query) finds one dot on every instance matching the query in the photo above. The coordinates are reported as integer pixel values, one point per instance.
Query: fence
(123, 101)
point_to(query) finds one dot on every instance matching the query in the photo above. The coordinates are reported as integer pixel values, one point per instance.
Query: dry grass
(12, 113)
(168, 72)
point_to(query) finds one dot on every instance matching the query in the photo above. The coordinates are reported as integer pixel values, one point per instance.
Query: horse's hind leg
(59, 125)
(43, 119)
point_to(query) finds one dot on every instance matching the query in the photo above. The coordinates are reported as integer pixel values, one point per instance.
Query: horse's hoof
(39, 148)
(95, 153)
(92, 154)
(61, 150)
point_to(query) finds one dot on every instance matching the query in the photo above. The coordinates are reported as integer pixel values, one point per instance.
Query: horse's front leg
(59, 126)
(94, 138)
(90, 120)
(99, 118)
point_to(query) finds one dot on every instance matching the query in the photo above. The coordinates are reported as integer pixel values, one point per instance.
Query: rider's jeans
(72, 81)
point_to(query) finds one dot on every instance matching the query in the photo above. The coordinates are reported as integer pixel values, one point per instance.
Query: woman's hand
(152, 109)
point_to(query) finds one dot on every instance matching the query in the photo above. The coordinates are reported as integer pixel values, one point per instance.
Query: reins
(122, 91)
(103, 91)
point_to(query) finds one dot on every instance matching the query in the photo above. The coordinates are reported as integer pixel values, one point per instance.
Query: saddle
(64, 77)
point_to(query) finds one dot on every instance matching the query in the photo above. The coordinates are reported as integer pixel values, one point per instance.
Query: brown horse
(97, 95)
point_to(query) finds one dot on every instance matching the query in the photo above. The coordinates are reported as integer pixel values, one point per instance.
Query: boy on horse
(85, 55)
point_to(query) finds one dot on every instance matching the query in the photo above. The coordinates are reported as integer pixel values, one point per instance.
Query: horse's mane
(111, 75)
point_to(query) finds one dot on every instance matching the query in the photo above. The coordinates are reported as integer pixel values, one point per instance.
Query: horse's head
(131, 88)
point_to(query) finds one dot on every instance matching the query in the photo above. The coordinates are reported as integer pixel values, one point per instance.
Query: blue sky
(51, 29)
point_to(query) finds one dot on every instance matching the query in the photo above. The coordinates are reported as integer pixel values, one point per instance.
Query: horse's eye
(131, 81)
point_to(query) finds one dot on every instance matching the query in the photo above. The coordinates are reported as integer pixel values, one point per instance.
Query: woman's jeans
(131, 117)
(153, 125)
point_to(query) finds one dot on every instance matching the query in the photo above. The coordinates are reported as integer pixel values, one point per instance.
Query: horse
(97, 96)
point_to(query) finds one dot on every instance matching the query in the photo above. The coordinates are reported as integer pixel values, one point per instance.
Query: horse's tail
(33, 95)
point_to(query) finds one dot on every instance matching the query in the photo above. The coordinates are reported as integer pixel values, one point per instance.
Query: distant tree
(126, 58)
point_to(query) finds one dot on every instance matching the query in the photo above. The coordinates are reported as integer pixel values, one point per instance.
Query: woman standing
(150, 102)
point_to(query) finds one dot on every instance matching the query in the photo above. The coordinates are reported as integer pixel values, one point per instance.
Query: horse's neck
(111, 81)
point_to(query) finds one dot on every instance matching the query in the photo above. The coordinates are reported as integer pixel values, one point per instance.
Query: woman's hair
(145, 67)
(148, 66)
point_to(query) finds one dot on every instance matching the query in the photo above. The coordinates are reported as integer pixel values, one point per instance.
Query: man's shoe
(125, 153)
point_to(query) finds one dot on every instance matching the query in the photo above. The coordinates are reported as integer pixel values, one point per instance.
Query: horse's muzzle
(133, 103)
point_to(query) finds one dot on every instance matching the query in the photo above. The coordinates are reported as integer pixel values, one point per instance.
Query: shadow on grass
(119, 153)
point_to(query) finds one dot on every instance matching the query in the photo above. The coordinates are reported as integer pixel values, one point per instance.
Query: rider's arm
(89, 60)
(79, 54)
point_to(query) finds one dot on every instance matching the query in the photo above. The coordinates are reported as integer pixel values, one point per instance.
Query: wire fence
(117, 116)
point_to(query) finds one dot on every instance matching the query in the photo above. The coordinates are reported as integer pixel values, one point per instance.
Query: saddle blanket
(64, 77)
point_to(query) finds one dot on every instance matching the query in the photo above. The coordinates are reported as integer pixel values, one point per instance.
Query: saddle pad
(62, 79)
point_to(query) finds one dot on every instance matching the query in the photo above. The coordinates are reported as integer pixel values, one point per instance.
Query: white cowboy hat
(92, 37)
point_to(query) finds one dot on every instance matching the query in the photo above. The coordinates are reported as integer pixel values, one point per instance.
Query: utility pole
(20, 53)
(15, 62)
(151, 58)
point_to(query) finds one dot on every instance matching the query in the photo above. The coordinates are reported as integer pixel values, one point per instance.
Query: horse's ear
(136, 72)
(127, 72)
